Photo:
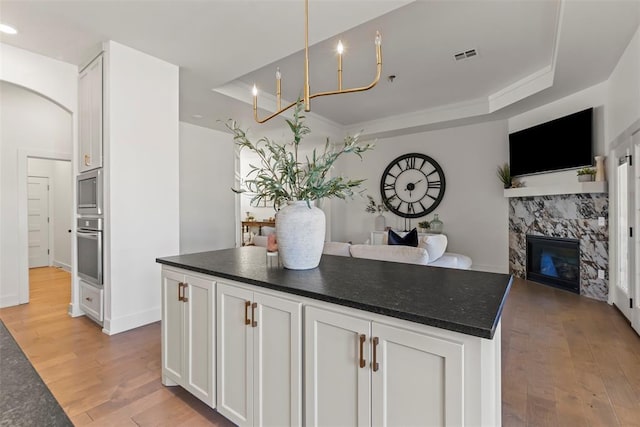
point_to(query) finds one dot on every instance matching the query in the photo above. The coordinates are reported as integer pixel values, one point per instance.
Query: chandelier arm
(351, 90)
(282, 110)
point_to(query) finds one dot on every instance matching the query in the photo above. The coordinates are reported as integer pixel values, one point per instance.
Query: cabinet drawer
(91, 300)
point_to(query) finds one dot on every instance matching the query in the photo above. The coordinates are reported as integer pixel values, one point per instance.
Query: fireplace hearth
(554, 261)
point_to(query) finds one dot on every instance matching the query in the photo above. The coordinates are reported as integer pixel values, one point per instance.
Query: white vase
(599, 168)
(300, 230)
(380, 223)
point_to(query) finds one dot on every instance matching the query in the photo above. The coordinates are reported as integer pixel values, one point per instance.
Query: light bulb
(255, 90)
(278, 74)
(340, 48)
(378, 38)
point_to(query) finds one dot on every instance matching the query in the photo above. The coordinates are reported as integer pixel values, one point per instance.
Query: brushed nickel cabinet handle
(87, 160)
(253, 315)
(180, 284)
(363, 338)
(374, 363)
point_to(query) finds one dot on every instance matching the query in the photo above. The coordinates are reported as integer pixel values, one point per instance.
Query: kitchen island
(380, 342)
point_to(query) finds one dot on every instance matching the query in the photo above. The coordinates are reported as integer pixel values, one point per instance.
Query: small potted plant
(424, 226)
(586, 174)
(504, 173)
(379, 208)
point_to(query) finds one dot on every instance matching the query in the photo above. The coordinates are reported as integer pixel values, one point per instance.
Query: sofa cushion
(435, 244)
(395, 253)
(337, 248)
(451, 260)
(409, 239)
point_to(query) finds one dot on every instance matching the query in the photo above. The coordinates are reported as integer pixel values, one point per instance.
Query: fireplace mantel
(556, 189)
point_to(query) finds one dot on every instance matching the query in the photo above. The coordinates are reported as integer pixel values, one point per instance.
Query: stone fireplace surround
(572, 216)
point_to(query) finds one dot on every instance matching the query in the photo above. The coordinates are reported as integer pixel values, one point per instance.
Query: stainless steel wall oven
(89, 239)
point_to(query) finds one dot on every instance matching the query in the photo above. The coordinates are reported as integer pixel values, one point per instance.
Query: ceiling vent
(466, 54)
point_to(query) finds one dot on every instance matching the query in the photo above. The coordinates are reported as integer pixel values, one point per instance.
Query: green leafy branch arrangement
(282, 177)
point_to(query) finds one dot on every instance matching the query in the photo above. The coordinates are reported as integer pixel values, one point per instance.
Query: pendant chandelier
(307, 95)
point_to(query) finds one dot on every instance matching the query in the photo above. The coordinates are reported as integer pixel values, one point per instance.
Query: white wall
(29, 124)
(474, 211)
(62, 213)
(623, 97)
(61, 206)
(594, 96)
(207, 204)
(141, 183)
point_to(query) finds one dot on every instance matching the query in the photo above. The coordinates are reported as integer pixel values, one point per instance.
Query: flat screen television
(563, 143)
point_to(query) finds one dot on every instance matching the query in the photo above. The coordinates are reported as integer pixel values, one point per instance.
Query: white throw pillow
(337, 248)
(435, 244)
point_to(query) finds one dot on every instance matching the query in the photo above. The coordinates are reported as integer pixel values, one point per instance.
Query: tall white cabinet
(129, 125)
(188, 334)
(90, 114)
(259, 360)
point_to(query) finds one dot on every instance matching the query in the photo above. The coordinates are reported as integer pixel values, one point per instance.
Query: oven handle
(89, 234)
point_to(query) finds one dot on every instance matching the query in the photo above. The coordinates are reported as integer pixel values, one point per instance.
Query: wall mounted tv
(563, 143)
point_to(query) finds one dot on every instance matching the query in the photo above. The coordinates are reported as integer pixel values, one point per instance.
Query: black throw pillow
(409, 239)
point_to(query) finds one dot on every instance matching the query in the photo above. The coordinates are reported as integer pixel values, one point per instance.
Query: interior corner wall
(141, 152)
(623, 97)
(207, 204)
(28, 122)
(474, 210)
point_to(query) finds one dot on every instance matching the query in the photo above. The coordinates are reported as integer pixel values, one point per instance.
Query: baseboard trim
(9, 301)
(74, 311)
(62, 265)
(132, 321)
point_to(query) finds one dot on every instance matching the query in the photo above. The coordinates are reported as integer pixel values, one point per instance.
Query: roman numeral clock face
(412, 185)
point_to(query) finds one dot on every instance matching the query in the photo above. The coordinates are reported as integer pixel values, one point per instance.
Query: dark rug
(24, 398)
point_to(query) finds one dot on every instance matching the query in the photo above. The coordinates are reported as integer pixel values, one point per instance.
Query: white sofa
(428, 253)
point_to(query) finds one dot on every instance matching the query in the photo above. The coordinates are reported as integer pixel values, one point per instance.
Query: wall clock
(412, 185)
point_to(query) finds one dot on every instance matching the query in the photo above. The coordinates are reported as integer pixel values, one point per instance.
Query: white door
(199, 295)
(416, 379)
(277, 344)
(235, 354)
(635, 282)
(337, 370)
(38, 222)
(623, 230)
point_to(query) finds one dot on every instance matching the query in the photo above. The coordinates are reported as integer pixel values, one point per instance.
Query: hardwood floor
(566, 361)
(98, 379)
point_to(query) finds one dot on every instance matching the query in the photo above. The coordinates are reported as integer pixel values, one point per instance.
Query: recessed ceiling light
(197, 116)
(7, 29)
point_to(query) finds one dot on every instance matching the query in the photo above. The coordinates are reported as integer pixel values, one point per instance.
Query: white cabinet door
(277, 348)
(199, 376)
(188, 334)
(259, 358)
(235, 355)
(337, 371)
(417, 380)
(172, 329)
(90, 116)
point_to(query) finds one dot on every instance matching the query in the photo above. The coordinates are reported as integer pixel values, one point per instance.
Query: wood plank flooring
(566, 361)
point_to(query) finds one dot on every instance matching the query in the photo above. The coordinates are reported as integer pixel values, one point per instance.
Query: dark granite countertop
(464, 301)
